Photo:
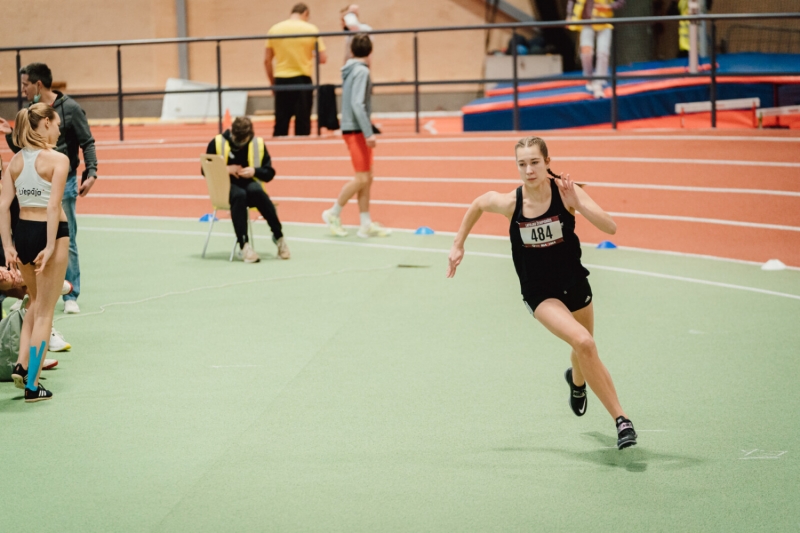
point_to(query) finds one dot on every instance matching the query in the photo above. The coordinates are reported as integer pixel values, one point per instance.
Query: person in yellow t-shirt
(294, 61)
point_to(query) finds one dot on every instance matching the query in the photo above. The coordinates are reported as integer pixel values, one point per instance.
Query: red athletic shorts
(360, 153)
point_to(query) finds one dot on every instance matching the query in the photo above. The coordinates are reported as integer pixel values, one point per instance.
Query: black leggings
(246, 193)
(295, 103)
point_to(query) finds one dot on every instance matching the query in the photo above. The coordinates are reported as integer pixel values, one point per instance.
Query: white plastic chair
(219, 189)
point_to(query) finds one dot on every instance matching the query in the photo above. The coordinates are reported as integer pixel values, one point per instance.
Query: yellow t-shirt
(294, 57)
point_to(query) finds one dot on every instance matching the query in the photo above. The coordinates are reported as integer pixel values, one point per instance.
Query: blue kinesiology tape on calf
(33, 365)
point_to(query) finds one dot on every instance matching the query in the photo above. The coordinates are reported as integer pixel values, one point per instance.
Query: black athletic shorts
(575, 298)
(30, 238)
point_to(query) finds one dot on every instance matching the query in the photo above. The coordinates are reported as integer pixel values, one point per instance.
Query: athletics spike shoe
(577, 398)
(334, 223)
(626, 435)
(37, 395)
(20, 376)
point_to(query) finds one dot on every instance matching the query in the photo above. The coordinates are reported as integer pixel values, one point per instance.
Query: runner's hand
(371, 141)
(566, 189)
(456, 255)
(42, 259)
(5, 127)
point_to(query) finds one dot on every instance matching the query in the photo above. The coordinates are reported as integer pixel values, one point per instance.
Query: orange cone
(226, 120)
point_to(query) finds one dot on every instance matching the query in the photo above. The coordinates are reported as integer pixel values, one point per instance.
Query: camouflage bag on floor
(10, 327)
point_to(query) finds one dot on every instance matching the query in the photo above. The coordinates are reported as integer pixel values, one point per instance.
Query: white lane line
(469, 138)
(643, 160)
(706, 221)
(686, 188)
(152, 196)
(198, 177)
(442, 251)
(452, 233)
(408, 203)
(236, 366)
(646, 186)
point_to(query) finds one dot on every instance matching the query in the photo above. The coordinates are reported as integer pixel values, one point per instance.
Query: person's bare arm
(269, 54)
(57, 185)
(491, 202)
(7, 194)
(575, 198)
(323, 57)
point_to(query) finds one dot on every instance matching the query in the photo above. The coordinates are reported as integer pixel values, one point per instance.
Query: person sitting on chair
(248, 164)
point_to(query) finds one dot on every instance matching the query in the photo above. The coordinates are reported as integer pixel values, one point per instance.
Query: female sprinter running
(546, 253)
(37, 176)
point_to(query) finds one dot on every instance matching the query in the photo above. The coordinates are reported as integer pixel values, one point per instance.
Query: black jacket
(238, 156)
(75, 134)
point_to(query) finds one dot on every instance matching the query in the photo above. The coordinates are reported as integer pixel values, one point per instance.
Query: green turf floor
(340, 392)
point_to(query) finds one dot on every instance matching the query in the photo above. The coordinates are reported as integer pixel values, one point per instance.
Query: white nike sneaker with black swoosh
(577, 397)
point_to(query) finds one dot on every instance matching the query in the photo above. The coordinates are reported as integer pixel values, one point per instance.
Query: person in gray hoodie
(359, 136)
(37, 81)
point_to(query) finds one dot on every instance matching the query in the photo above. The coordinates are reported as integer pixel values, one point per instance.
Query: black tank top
(546, 250)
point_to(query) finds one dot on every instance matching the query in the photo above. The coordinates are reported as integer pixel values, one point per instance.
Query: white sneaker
(249, 255)
(71, 307)
(334, 223)
(373, 230)
(283, 248)
(597, 90)
(66, 288)
(57, 342)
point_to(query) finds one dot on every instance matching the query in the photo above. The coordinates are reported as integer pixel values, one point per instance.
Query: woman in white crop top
(36, 176)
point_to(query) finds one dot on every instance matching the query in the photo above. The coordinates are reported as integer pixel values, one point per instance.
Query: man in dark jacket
(37, 81)
(249, 164)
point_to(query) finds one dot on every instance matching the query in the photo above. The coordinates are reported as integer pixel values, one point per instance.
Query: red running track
(733, 194)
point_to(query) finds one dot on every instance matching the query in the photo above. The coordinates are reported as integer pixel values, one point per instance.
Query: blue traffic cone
(607, 244)
(207, 218)
(423, 230)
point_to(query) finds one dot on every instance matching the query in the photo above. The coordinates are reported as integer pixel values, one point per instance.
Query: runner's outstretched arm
(493, 202)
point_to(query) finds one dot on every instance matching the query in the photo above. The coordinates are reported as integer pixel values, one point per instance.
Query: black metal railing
(612, 77)
(761, 38)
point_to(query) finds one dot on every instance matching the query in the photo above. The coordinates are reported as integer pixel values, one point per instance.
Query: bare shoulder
(499, 202)
(16, 164)
(49, 162)
(54, 157)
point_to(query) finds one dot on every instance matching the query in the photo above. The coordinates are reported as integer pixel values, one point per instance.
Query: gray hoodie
(75, 134)
(356, 97)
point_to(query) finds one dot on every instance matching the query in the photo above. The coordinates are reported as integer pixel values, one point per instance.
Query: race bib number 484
(541, 233)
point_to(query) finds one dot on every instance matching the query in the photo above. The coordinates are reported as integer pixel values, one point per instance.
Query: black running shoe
(577, 399)
(20, 377)
(626, 436)
(37, 395)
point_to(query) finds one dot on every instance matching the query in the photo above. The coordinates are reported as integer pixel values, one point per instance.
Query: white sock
(336, 210)
(586, 63)
(602, 65)
(365, 219)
